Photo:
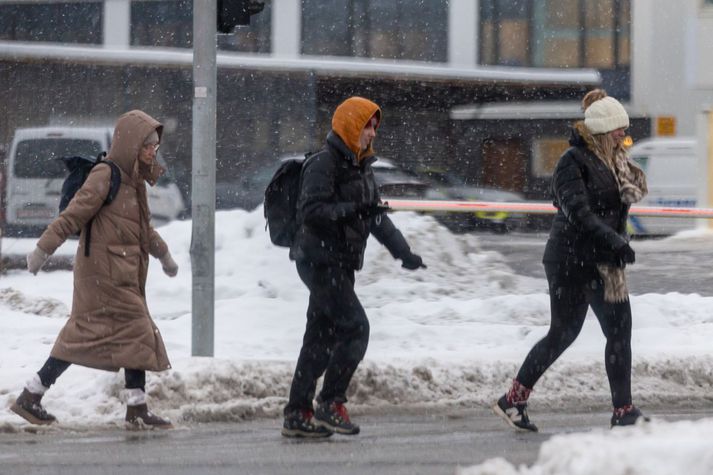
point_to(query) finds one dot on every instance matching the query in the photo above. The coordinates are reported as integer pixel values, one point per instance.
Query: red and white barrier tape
(533, 208)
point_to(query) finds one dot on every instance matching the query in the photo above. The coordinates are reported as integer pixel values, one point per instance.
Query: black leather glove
(412, 261)
(626, 255)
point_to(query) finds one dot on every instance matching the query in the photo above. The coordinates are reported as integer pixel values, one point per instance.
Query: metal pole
(203, 179)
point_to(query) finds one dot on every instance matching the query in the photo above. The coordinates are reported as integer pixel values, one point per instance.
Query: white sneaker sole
(500, 413)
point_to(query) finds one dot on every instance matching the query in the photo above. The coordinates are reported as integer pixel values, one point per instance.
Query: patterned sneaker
(335, 417)
(514, 414)
(140, 418)
(300, 423)
(28, 406)
(627, 416)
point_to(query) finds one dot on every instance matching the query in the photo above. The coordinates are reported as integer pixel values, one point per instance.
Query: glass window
(545, 154)
(169, 23)
(556, 33)
(162, 23)
(505, 32)
(40, 158)
(398, 29)
(77, 22)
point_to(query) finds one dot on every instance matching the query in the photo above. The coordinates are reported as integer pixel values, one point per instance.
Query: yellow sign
(666, 125)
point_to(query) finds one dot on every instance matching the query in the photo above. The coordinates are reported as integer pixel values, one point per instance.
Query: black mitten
(626, 254)
(412, 261)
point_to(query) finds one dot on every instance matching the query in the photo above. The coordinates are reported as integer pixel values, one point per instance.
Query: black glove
(626, 255)
(374, 209)
(412, 261)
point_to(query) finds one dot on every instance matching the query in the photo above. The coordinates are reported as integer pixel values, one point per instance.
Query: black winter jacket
(333, 228)
(590, 223)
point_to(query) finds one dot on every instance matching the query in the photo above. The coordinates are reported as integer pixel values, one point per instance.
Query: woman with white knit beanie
(593, 186)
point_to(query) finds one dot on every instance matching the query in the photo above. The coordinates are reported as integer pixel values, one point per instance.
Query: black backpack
(79, 168)
(280, 206)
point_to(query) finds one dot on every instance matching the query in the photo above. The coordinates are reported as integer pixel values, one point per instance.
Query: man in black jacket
(339, 206)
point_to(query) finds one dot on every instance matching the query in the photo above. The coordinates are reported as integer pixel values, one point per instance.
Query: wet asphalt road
(415, 442)
(662, 266)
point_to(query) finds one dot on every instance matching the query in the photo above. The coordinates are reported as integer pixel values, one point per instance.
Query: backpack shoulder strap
(115, 182)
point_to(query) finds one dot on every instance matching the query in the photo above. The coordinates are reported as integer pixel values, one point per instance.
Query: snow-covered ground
(453, 334)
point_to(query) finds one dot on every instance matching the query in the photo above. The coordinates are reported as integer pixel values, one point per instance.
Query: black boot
(627, 416)
(29, 408)
(514, 414)
(140, 418)
(334, 416)
(300, 423)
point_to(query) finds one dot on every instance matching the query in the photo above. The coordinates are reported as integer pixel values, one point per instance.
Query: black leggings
(53, 369)
(570, 297)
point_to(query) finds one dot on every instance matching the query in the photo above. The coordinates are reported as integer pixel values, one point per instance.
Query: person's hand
(170, 268)
(412, 261)
(626, 254)
(374, 209)
(36, 259)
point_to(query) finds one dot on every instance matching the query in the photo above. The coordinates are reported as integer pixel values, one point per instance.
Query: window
(70, 22)
(41, 158)
(545, 154)
(397, 29)
(556, 33)
(169, 23)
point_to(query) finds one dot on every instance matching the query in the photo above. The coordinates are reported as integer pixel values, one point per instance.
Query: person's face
(618, 135)
(367, 134)
(147, 154)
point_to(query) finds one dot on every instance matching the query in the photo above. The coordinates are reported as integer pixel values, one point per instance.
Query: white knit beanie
(605, 115)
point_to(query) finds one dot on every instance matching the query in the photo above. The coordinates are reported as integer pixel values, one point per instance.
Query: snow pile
(658, 448)
(452, 334)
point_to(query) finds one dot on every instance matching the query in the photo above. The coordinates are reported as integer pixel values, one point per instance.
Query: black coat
(335, 191)
(590, 223)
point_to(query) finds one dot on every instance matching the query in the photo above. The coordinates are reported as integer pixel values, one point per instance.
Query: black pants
(571, 294)
(335, 339)
(53, 369)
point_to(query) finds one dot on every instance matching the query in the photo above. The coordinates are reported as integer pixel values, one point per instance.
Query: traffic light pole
(203, 177)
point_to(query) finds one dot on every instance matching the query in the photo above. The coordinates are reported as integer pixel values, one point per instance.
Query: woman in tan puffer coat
(110, 326)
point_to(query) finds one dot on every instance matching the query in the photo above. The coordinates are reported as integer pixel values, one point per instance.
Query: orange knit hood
(350, 118)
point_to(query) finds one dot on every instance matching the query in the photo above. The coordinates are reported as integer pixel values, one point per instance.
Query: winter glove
(374, 209)
(412, 261)
(170, 268)
(36, 259)
(626, 255)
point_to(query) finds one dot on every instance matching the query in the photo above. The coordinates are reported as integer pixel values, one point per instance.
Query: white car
(672, 175)
(34, 177)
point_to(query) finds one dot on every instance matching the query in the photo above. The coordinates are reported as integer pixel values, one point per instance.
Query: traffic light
(232, 13)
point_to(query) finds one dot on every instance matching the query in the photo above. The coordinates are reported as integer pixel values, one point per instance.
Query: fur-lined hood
(580, 136)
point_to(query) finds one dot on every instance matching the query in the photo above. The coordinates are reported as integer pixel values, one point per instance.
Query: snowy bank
(452, 334)
(658, 448)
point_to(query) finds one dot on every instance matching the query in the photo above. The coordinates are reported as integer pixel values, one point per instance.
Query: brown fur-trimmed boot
(140, 418)
(28, 406)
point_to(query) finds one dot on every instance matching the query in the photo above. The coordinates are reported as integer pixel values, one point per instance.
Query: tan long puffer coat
(110, 326)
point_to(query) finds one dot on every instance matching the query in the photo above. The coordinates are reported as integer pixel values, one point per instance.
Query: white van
(670, 165)
(34, 176)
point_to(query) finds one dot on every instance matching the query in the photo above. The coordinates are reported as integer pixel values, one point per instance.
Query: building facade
(418, 58)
